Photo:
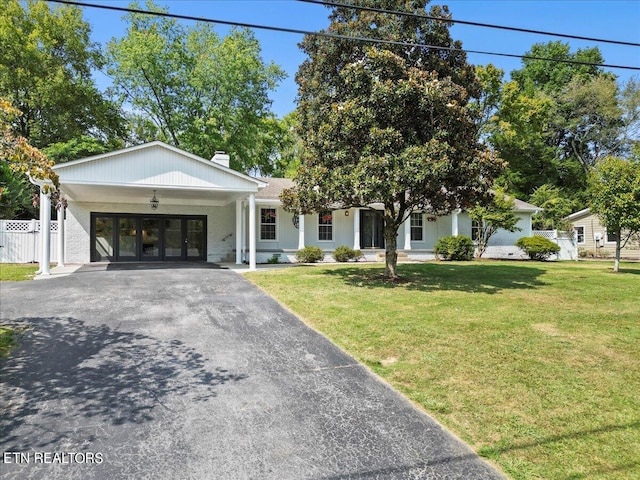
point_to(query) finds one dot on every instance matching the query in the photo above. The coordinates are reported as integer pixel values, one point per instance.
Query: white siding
(154, 166)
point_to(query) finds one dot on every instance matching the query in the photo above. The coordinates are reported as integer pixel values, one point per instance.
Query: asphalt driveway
(194, 373)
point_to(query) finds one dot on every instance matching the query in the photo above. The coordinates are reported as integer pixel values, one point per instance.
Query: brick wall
(220, 223)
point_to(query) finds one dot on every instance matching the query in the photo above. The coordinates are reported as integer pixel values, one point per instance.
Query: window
(475, 231)
(267, 224)
(579, 233)
(325, 226)
(416, 227)
(612, 237)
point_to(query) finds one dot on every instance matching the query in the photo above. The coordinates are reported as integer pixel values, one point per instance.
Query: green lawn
(17, 271)
(535, 365)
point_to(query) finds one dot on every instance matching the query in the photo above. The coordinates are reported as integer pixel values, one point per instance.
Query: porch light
(154, 201)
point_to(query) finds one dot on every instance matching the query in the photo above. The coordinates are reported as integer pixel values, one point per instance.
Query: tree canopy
(388, 124)
(554, 120)
(195, 90)
(45, 72)
(614, 192)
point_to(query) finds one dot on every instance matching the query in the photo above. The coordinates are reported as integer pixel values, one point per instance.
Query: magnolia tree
(388, 124)
(614, 190)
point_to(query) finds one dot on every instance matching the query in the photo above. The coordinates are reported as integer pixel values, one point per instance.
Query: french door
(147, 238)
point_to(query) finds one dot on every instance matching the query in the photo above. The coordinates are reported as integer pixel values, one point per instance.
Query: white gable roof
(155, 164)
(131, 174)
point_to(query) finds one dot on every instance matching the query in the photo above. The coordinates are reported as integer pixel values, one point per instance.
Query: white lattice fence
(566, 241)
(20, 241)
(550, 234)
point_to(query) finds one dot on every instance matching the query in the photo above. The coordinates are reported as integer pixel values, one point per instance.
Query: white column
(252, 231)
(238, 232)
(454, 222)
(60, 217)
(407, 233)
(244, 230)
(356, 229)
(45, 232)
(300, 231)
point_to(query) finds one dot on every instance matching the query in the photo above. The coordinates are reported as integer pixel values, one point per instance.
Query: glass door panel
(173, 239)
(371, 230)
(104, 241)
(195, 239)
(150, 239)
(127, 238)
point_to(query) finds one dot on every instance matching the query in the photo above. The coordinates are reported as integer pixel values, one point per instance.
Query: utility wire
(332, 35)
(465, 22)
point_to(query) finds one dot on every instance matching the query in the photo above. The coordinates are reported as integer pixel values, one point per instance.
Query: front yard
(535, 365)
(10, 272)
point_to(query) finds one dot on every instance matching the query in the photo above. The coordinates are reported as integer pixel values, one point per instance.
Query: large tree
(388, 124)
(614, 190)
(195, 90)
(556, 118)
(45, 71)
(19, 160)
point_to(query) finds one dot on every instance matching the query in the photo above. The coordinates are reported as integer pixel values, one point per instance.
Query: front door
(127, 237)
(371, 230)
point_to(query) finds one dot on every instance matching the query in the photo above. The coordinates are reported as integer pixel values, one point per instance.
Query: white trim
(160, 186)
(422, 227)
(356, 229)
(158, 143)
(238, 232)
(606, 238)
(276, 224)
(578, 214)
(325, 225)
(584, 234)
(252, 231)
(300, 231)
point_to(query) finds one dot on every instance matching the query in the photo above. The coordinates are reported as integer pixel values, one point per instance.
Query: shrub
(344, 254)
(309, 255)
(538, 248)
(274, 259)
(454, 248)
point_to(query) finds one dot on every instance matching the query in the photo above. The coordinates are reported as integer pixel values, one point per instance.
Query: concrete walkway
(194, 373)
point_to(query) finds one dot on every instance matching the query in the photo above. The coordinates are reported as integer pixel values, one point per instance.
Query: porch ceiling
(94, 193)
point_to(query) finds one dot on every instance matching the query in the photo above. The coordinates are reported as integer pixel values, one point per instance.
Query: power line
(333, 35)
(465, 22)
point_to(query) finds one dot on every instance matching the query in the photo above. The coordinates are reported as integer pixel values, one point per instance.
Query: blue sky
(608, 19)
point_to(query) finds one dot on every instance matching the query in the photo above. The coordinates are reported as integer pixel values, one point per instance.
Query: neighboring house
(593, 240)
(155, 202)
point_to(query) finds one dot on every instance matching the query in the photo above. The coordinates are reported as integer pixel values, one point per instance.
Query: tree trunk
(391, 250)
(616, 262)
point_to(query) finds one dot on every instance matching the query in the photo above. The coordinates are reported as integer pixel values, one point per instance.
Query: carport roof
(132, 174)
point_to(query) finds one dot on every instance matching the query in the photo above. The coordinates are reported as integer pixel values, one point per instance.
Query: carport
(155, 202)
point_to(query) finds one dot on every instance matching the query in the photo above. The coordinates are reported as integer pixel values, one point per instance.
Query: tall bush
(454, 248)
(538, 248)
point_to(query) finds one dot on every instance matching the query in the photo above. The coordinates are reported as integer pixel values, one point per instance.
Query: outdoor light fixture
(346, 213)
(154, 201)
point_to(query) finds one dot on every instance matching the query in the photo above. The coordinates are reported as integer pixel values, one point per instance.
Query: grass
(11, 272)
(7, 341)
(535, 365)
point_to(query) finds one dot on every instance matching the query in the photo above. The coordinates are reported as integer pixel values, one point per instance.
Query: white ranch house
(205, 211)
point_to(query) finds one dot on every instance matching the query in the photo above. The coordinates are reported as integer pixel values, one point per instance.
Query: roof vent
(221, 158)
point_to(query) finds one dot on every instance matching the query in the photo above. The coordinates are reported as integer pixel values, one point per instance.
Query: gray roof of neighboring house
(526, 207)
(276, 185)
